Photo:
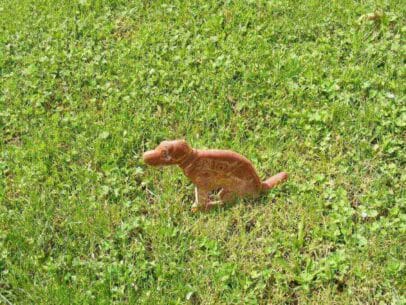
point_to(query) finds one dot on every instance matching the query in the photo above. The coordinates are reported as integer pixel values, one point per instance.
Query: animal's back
(223, 169)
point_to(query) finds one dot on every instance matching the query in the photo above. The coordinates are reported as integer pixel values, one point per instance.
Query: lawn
(315, 88)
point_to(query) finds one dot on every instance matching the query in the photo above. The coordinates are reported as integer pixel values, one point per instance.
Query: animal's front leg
(201, 199)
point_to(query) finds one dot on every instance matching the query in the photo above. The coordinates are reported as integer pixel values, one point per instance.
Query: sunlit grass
(312, 88)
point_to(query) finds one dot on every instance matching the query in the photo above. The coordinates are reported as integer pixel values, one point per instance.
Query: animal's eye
(165, 155)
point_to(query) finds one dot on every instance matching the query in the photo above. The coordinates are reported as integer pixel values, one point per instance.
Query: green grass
(307, 87)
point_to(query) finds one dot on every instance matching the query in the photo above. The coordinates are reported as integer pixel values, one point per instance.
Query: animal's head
(168, 153)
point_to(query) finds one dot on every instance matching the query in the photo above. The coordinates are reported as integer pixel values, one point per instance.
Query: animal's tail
(274, 181)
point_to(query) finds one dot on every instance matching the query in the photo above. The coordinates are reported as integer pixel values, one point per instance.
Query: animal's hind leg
(249, 189)
(227, 196)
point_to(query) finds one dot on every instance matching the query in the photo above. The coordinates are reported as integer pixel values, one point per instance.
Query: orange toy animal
(212, 170)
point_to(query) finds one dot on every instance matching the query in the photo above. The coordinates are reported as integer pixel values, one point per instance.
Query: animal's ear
(186, 144)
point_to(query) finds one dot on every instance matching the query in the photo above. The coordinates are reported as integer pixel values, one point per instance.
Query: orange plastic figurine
(211, 170)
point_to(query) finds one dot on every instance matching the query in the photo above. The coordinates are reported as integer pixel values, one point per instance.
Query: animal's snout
(152, 157)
